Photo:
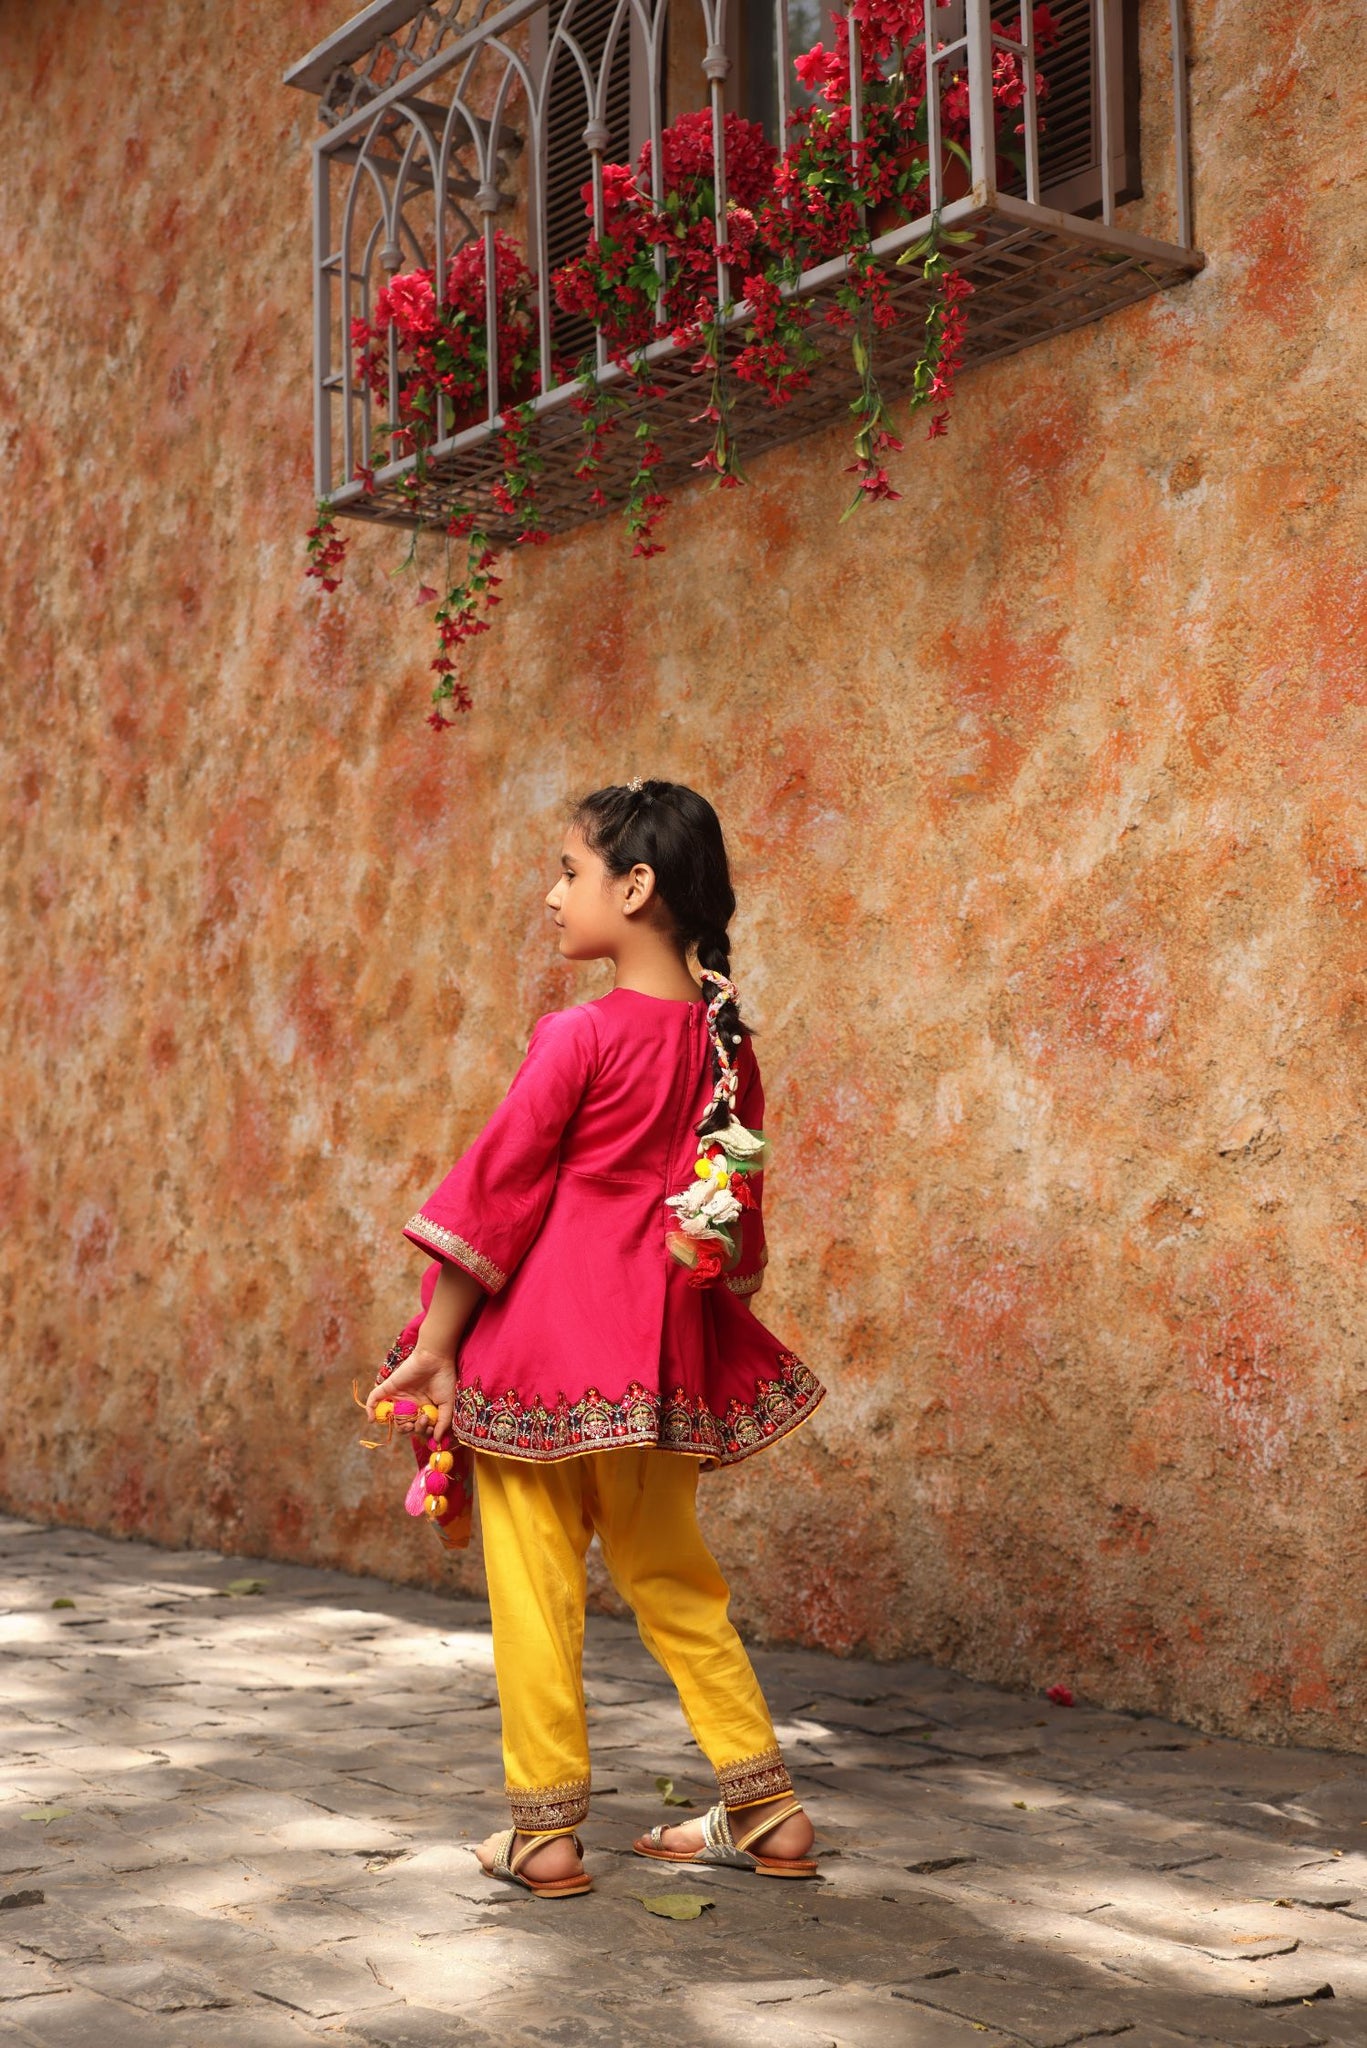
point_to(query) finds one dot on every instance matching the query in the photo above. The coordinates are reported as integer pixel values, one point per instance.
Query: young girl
(588, 1335)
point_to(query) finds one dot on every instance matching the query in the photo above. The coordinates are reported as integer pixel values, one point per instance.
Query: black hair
(670, 828)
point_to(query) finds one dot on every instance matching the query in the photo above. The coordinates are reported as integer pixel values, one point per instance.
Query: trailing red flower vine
(326, 548)
(654, 268)
(460, 615)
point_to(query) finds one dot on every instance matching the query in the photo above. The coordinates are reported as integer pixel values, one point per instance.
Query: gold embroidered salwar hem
(538, 1522)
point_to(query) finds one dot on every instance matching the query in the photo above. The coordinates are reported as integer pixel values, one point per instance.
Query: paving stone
(82, 2020)
(1263, 1880)
(154, 1987)
(679, 2018)
(857, 2018)
(1152, 2037)
(293, 1925)
(1031, 2013)
(320, 1985)
(1195, 2016)
(209, 1937)
(438, 1971)
(780, 1990)
(415, 2026)
(60, 1935)
(292, 1784)
(24, 1976)
(77, 2018)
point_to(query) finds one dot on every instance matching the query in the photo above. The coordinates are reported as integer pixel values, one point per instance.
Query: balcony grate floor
(1031, 280)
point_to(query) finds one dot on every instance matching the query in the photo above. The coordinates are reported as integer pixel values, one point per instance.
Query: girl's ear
(640, 888)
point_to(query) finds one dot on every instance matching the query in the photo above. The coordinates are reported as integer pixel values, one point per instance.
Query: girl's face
(594, 910)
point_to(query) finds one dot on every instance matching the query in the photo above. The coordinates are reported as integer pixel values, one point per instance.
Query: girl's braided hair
(670, 828)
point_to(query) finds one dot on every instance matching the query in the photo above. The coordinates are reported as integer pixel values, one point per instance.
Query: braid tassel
(714, 1201)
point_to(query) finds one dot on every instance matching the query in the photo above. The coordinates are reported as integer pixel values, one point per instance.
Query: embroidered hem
(446, 1245)
(508, 1427)
(754, 1778)
(543, 1808)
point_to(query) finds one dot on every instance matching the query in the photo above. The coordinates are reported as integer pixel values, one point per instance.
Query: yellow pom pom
(433, 1504)
(429, 1413)
(442, 1461)
(703, 1168)
(721, 1177)
(383, 1410)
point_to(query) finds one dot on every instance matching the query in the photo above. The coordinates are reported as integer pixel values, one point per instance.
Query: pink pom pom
(435, 1482)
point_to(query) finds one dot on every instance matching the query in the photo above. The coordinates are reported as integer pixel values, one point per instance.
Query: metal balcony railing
(457, 120)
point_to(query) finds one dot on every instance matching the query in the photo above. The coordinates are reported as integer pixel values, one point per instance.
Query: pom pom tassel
(441, 1491)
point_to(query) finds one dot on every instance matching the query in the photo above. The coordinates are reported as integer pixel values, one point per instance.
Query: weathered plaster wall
(1045, 791)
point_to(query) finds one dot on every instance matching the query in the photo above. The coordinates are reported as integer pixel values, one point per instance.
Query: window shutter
(1070, 147)
(568, 164)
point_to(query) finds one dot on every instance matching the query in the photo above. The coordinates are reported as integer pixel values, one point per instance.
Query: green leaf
(665, 1788)
(64, 1603)
(675, 1905)
(238, 1589)
(46, 1814)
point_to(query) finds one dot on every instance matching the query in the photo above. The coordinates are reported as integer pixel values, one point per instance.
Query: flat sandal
(507, 1864)
(721, 1847)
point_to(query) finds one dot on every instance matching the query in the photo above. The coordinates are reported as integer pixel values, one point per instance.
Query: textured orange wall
(1045, 791)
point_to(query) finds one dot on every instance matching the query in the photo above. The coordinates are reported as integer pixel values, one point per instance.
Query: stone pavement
(234, 1819)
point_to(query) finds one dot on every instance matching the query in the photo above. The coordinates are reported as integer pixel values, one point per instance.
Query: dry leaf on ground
(676, 1905)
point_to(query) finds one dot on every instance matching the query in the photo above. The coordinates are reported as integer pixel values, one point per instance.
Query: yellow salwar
(538, 1522)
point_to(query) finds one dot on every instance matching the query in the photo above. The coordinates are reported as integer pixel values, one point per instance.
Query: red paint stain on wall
(1276, 246)
(1000, 681)
(1247, 1355)
(1106, 996)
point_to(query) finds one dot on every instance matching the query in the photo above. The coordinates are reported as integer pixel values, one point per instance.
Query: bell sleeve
(485, 1214)
(746, 1276)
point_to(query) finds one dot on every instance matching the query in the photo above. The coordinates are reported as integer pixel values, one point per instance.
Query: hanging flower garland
(710, 1208)
(653, 270)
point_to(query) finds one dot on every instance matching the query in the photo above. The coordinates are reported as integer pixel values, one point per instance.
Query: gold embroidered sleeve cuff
(747, 1283)
(444, 1244)
(744, 1283)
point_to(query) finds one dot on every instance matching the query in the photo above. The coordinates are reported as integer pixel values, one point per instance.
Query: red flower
(816, 66)
(687, 150)
(409, 304)
(1061, 1696)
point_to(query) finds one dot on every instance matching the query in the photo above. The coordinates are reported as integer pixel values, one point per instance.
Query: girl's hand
(425, 1375)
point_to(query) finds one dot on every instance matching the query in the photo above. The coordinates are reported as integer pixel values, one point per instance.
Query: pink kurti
(590, 1335)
